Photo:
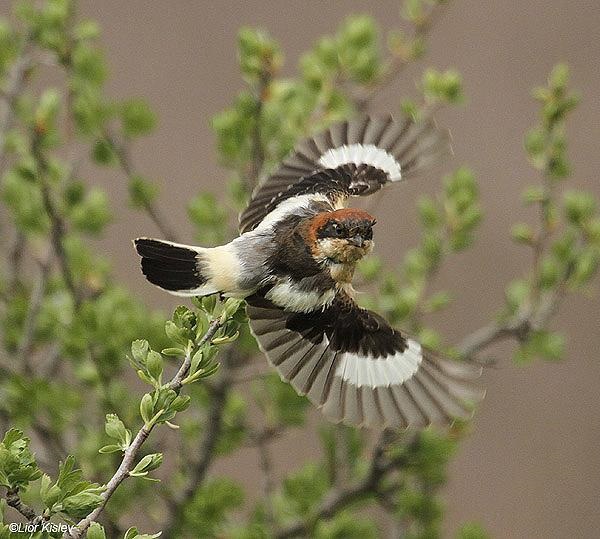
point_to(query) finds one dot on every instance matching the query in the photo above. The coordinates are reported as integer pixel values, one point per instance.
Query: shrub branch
(129, 456)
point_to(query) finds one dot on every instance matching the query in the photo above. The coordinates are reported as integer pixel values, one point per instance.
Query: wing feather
(357, 369)
(356, 157)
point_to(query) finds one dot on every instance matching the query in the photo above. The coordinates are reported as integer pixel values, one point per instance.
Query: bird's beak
(356, 240)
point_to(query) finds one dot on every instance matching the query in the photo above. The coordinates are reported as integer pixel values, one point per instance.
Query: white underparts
(381, 372)
(360, 154)
(289, 296)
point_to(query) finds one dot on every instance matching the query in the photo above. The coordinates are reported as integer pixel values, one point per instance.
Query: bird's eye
(337, 230)
(368, 234)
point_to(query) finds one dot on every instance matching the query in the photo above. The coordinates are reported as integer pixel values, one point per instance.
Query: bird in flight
(293, 263)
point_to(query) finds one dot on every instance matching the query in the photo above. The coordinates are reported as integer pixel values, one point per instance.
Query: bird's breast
(342, 273)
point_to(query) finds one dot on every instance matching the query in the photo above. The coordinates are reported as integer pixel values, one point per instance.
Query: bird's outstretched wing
(351, 158)
(357, 369)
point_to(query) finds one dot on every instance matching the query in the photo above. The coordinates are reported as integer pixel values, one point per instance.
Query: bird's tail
(183, 270)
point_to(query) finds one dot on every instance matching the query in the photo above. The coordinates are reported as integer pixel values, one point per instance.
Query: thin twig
(266, 467)
(50, 440)
(363, 96)
(57, 224)
(269, 434)
(490, 334)
(196, 471)
(13, 499)
(337, 500)
(257, 150)
(15, 81)
(35, 304)
(15, 258)
(131, 452)
(121, 150)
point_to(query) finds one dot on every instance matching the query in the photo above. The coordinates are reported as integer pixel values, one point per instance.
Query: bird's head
(342, 236)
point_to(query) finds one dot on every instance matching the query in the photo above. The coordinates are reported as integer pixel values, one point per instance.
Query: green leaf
(522, 233)
(586, 266)
(47, 109)
(86, 29)
(430, 338)
(534, 194)
(358, 49)
(89, 65)
(180, 403)
(559, 77)
(81, 504)
(550, 271)
(517, 293)
(304, 489)
(142, 193)
(429, 212)
(347, 525)
(225, 339)
(139, 351)
(131, 533)
(258, 54)
(232, 305)
(95, 531)
(592, 231)
(92, 214)
(145, 378)
(17, 464)
(116, 429)
(472, 530)
(137, 117)
(413, 11)
(147, 408)
(579, 206)
(438, 301)
(154, 364)
(50, 494)
(103, 153)
(111, 448)
(210, 509)
(443, 86)
(173, 352)
(147, 464)
(209, 303)
(419, 506)
(175, 333)
(209, 217)
(201, 373)
(535, 142)
(544, 344)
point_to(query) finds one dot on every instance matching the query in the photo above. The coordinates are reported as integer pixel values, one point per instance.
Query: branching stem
(129, 456)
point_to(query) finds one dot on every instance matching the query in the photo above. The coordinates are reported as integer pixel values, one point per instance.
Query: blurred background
(531, 466)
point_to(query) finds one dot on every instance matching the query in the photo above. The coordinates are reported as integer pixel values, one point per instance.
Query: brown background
(531, 467)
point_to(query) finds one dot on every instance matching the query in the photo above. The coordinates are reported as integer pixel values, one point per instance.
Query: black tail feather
(169, 266)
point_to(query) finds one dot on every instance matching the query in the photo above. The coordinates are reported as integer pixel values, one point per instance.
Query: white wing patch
(288, 207)
(362, 154)
(380, 372)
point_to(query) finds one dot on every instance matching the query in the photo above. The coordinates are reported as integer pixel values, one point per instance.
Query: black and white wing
(351, 158)
(358, 370)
